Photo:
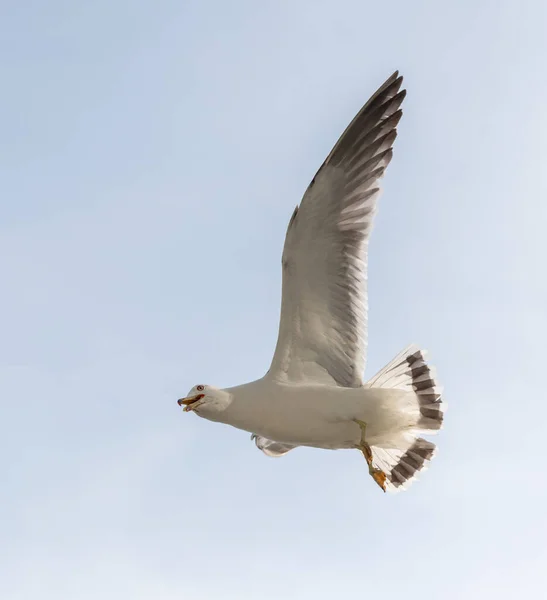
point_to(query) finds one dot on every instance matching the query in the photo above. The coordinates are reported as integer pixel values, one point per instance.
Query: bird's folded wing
(272, 448)
(323, 325)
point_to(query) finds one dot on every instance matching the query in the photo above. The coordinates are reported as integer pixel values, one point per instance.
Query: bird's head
(206, 400)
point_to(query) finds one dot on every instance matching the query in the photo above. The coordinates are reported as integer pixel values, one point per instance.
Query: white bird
(314, 393)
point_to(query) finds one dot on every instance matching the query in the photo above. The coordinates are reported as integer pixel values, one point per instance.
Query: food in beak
(189, 402)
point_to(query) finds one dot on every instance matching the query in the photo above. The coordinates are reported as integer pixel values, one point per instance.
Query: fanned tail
(409, 371)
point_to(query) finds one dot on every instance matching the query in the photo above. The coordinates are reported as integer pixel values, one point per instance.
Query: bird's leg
(377, 474)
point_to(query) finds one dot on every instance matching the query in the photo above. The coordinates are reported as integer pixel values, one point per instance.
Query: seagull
(314, 393)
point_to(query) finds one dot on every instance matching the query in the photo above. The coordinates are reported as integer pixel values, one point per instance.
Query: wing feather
(323, 325)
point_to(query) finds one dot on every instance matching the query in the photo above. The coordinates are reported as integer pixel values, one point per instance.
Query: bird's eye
(200, 388)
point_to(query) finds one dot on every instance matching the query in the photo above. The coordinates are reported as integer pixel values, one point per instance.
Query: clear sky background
(151, 154)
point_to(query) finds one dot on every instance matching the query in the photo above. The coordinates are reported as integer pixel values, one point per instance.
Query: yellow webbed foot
(379, 477)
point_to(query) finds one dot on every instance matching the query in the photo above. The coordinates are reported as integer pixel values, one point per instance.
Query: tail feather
(402, 466)
(409, 371)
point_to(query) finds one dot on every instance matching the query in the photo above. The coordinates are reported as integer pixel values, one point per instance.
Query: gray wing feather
(271, 448)
(323, 325)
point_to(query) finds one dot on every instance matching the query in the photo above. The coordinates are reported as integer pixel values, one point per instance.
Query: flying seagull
(314, 393)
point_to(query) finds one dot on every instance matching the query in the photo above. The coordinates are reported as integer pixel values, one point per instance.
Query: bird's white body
(320, 416)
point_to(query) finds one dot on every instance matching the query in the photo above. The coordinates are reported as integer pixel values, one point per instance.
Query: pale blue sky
(151, 154)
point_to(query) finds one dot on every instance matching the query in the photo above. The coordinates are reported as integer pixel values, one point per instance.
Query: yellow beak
(189, 402)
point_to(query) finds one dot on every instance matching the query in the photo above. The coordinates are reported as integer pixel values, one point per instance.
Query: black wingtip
(395, 77)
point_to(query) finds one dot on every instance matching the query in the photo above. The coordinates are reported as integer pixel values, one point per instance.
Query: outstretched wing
(323, 325)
